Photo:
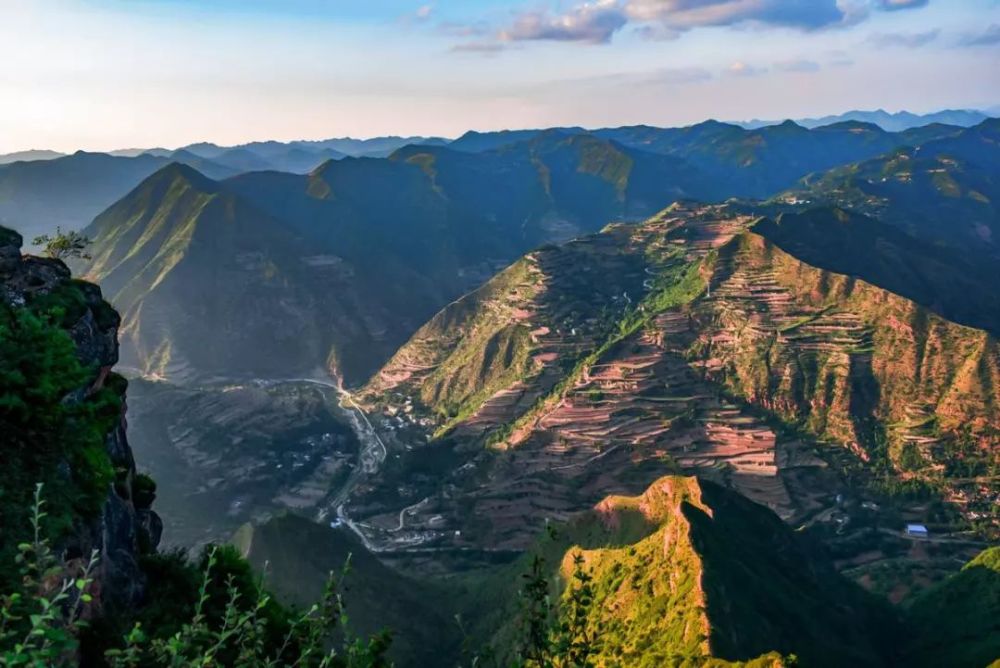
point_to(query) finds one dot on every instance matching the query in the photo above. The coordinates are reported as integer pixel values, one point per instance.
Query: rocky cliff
(119, 524)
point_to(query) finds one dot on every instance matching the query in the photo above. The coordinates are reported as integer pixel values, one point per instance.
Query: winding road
(404, 512)
(373, 452)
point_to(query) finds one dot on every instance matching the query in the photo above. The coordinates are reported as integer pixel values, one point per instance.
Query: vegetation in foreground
(213, 613)
(43, 433)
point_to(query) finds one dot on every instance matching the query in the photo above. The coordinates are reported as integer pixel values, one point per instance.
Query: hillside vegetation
(336, 268)
(689, 569)
(297, 555)
(359, 252)
(956, 623)
(944, 191)
(688, 342)
(951, 283)
(155, 252)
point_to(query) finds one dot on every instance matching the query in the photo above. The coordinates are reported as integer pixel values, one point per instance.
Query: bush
(63, 245)
(45, 436)
(215, 614)
(41, 617)
(143, 491)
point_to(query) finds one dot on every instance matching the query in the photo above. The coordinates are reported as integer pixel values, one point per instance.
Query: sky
(106, 74)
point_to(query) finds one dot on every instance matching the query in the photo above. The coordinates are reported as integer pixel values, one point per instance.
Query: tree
(557, 635)
(64, 245)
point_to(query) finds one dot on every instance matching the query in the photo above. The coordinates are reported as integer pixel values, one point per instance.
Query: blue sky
(102, 74)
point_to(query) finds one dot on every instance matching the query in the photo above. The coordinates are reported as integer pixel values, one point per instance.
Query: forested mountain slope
(944, 191)
(350, 259)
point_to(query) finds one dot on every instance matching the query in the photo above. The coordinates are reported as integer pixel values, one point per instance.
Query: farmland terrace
(686, 343)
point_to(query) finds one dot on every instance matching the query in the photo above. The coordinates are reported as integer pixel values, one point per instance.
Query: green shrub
(143, 491)
(63, 245)
(212, 614)
(40, 618)
(45, 437)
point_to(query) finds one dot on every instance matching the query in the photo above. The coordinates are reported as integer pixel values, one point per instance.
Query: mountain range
(690, 341)
(361, 251)
(754, 163)
(86, 183)
(944, 190)
(384, 146)
(891, 122)
(697, 388)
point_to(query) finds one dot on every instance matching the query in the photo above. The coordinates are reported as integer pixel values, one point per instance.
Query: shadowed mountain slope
(689, 569)
(958, 286)
(356, 254)
(298, 555)
(957, 623)
(686, 573)
(945, 191)
(38, 196)
(273, 303)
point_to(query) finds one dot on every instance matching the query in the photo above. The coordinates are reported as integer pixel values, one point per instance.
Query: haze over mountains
(88, 182)
(722, 366)
(891, 122)
(364, 250)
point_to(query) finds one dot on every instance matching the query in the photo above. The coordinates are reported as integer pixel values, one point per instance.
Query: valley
(231, 453)
(744, 379)
(686, 343)
(500, 334)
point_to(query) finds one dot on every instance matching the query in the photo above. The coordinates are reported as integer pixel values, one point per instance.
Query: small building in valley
(917, 531)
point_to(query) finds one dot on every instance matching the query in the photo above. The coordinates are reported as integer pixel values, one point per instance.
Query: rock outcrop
(689, 568)
(125, 527)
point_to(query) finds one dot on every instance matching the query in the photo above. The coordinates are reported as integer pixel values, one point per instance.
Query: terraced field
(676, 345)
(489, 356)
(838, 354)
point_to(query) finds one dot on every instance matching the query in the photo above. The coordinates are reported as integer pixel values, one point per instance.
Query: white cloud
(590, 22)
(597, 21)
(742, 69)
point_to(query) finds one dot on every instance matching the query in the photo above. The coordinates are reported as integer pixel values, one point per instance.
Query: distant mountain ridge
(403, 236)
(384, 146)
(358, 253)
(950, 179)
(26, 156)
(752, 163)
(890, 122)
(731, 161)
(38, 196)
